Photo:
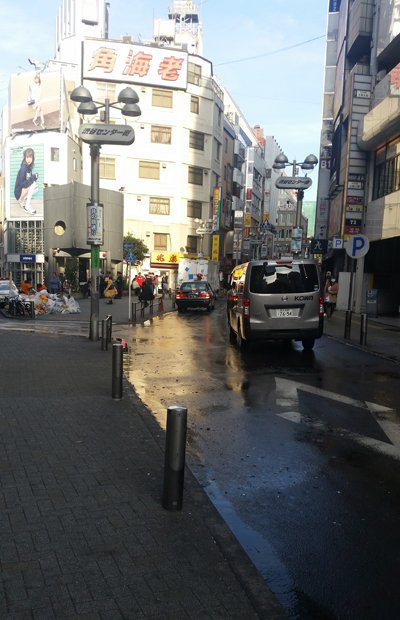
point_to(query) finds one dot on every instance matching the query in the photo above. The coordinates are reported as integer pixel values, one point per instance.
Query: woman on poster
(25, 183)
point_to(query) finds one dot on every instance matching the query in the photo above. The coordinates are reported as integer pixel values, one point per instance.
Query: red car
(196, 294)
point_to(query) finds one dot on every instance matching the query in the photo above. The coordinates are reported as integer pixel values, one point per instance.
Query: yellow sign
(247, 219)
(215, 248)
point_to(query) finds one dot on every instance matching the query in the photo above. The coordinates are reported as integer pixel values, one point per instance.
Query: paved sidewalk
(82, 530)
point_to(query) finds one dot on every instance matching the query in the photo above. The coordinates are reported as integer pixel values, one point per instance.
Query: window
(107, 168)
(161, 134)
(194, 104)
(226, 145)
(159, 206)
(54, 153)
(196, 140)
(149, 169)
(194, 208)
(105, 90)
(194, 74)
(160, 241)
(191, 244)
(217, 150)
(195, 175)
(162, 98)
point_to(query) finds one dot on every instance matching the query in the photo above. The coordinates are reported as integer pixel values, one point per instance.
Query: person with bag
(110, 291)
(332, 296)
(147, 292)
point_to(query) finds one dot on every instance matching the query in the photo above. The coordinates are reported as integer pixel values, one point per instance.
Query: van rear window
(293, 278)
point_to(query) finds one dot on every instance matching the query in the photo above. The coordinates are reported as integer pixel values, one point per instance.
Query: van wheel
(232, 335)
(308, 344)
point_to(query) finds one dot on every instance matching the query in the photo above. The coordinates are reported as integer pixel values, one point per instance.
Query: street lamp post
(295, 183)
(96, 134)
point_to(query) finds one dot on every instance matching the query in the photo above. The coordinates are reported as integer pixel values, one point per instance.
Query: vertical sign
(95, 228)
(216, 208)
(215, 248)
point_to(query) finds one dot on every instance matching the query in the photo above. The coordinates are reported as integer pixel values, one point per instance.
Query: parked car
(7, 290)
(275, 300)
(195, 294)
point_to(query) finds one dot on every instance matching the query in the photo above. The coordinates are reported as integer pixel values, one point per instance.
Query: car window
(302, 278)
(186, 287)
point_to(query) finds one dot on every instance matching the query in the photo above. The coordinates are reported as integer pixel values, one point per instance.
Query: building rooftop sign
(142, 64)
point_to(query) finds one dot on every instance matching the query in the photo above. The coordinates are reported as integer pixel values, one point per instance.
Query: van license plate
(284, 312)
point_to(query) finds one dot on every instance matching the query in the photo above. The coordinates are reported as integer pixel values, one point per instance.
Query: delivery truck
(198, 268)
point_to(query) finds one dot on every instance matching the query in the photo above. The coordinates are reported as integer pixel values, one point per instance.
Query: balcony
(240, 150)
(237, 204)
(360, 29)
(238, 177)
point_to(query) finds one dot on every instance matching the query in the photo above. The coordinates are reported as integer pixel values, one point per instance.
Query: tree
(137, 248)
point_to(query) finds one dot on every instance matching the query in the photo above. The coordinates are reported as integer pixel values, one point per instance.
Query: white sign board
(356, 246)
(293, 182)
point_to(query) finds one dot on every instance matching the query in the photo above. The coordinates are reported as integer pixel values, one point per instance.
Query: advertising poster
(35, 101)
(26, 181)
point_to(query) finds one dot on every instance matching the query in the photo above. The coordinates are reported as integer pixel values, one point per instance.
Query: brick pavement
(82, 530)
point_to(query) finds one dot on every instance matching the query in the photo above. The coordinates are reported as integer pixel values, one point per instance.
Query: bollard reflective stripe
(175, 447)
(117, 371)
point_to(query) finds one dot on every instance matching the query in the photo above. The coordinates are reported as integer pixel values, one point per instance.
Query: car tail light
(246, 307)
(321, 306)
(204, 295)
(181, 295)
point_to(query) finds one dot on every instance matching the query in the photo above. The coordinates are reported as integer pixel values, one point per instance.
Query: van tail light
(246, 308)
(321, 306)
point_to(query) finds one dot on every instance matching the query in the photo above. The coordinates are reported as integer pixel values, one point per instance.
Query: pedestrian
(164, 285)
(135, 288)
(101, 285)
(41, 287)
(147, 292)
(119, 285)
(332, 295)
(54, 284)
(327, 284)
(26, 287)
(110, 290)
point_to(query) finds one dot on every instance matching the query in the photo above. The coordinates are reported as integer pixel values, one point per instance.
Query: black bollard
(175, 446)
(109, 327)
(364, 328)
(104, 335)
(347, 324)
(117, 371)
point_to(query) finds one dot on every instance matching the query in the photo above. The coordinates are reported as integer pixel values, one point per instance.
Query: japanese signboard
(141, 64)
(106, 134)
(293, 182)
(216, 208)
(95, 228)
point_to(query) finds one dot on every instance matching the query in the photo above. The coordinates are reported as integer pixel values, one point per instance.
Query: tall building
(359, 180)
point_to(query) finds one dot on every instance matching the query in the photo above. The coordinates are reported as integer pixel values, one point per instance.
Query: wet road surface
(300, 453)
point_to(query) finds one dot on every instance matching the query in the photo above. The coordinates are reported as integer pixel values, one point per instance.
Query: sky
(269, 55)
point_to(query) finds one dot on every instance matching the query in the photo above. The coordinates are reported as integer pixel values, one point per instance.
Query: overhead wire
(282, 49)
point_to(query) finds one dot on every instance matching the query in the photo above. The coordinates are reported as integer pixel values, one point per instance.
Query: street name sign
(101, 133)
(293, 182)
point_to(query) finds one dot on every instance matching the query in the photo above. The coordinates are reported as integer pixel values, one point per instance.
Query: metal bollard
(347, 324)
(104, 335)
(109, 327)
(363, 328)
(117, 371)
(175, 445)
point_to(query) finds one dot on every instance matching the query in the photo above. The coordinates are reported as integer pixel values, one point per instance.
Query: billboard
(35, 101)
(26, 171)
(141, 64)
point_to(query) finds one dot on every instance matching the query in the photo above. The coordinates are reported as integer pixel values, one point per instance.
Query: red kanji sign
(103, 58)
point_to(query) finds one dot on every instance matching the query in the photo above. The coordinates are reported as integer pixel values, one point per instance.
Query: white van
(276, 300)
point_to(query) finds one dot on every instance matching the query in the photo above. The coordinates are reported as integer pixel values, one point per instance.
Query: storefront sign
(95, 225)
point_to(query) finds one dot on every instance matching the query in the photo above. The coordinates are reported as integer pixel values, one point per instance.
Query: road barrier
(175, 447)
(117, 350)
(106, 332)
(139, 308)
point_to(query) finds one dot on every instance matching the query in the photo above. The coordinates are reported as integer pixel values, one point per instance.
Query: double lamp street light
(295, 183)
(96, 134)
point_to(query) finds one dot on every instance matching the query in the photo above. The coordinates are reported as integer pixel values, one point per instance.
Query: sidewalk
(83, 533)
(382, 337)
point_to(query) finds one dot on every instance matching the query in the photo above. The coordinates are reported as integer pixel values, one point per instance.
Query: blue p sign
(356, 246)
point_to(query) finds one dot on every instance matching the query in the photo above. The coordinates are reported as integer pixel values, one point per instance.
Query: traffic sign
(293, 182)
(356, 246)
(130, 258)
